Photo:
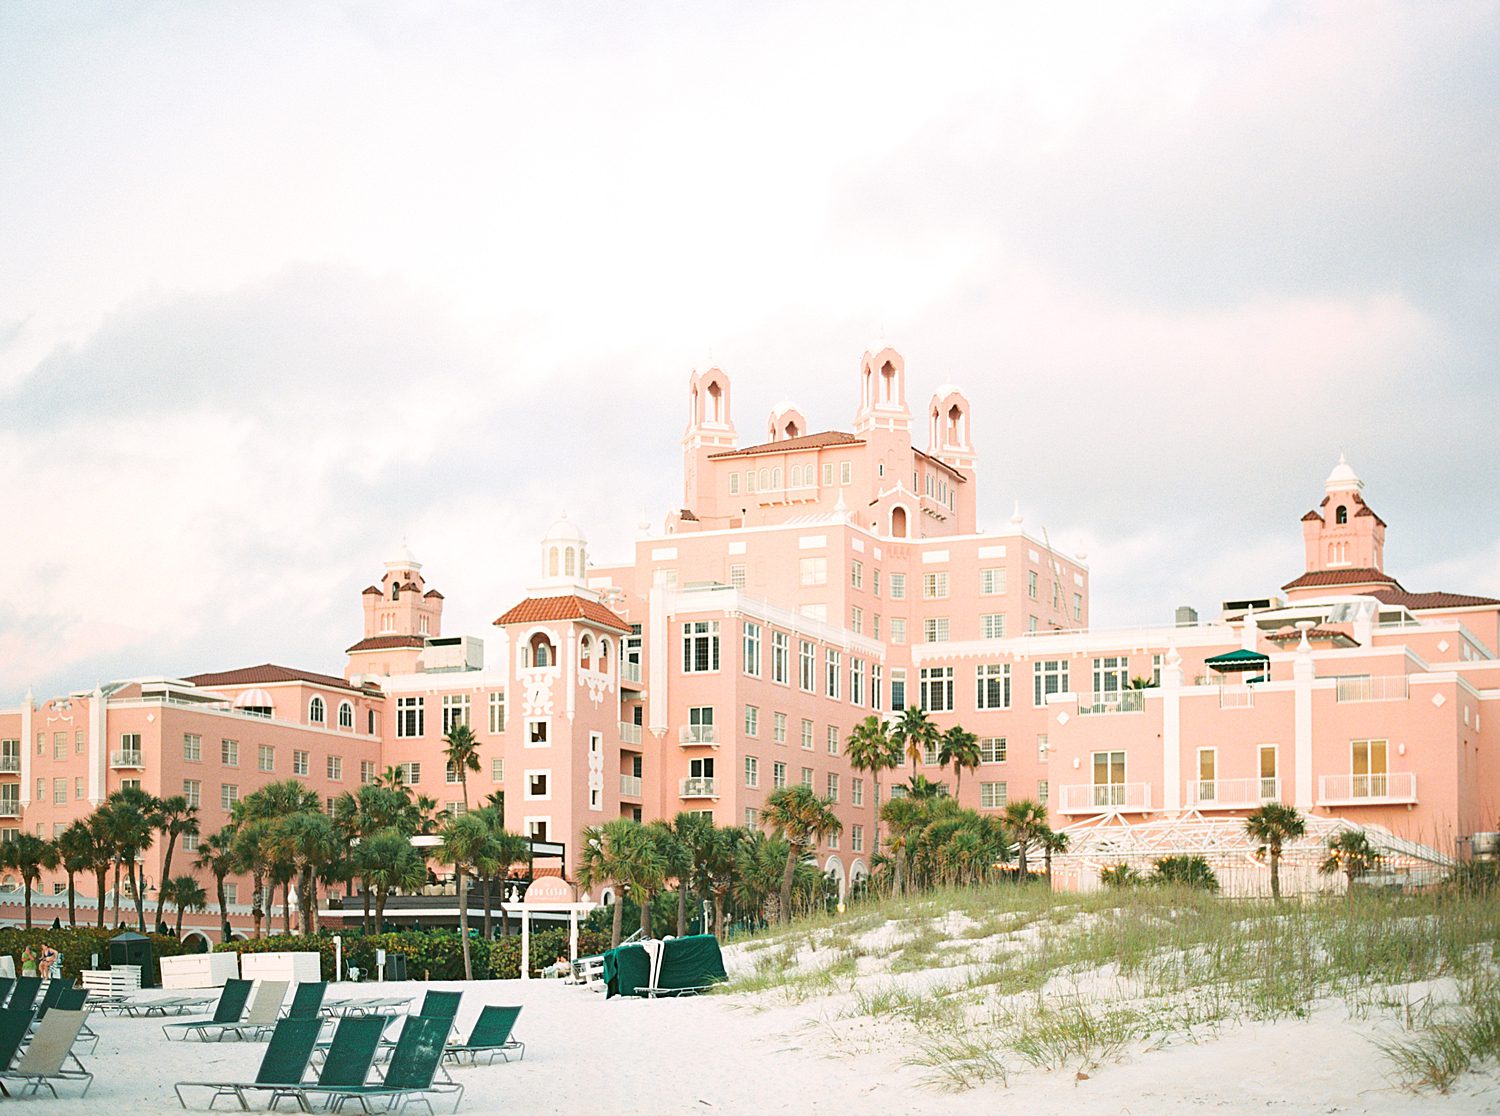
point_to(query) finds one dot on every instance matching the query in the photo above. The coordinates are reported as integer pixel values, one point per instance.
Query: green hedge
(429, 956)
(78, 946)
(546, 947)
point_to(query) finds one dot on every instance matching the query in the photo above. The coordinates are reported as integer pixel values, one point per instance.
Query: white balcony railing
(630, 672)
(10, 765)
(1112, 701)
(701, 787)
(10, 808)
(1380, 687)
(1236, 697)
(699, 734)
(125, 759)
(1104, 798)
(1231, 794)
(630, 786)
(1360, 790)
(630, 733)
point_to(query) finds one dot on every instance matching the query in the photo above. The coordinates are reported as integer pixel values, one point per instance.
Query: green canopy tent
(1241, 661)
(682, 966)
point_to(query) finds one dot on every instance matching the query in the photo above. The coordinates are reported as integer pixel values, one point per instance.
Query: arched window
(552, 562)
(765, 479)
(542, 653)
(603, 655)
(898, 523)
(776, 477)
(586, 653)
(570, 561)
(395, 590)
(1341, 515)
(316, 713)
(346, 715)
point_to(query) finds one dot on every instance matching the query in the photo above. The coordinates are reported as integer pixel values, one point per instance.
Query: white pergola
(548, 895)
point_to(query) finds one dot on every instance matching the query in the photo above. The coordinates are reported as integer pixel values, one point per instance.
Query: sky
(283, 285)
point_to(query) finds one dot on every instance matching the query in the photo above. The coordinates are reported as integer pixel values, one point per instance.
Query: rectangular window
(831, 739)
(781, 657)
(807, 734)
(265, 757)
(828, 472)
(856, 791)
(192, 747)
(60, 786)
(1367, 766)
(807, 666)
(78, 743)
(366, 772)
(192, 790)
(1031, 584)
(898, 586)
(875, 581)
(875, 625)
(992, 796)
(875, 686)
(752, 720)
(1077, 606)
(130, 747)
(229, 794)
(992, 749)
(1208, 767)
(299, 763)
(229, 753)
(752, 817)
(992, 582)
(846, 472)
(1268, 773)
(1043, 747)
(336, 768)
(856, 619)
(898, 689)
(409, 773)
(778, 728)
(411, 716)
(536, 784)
(1048, 676)
(934, 586)
(935, 629)
(737, 579)
(812, 571)
(992, 625)
(455, 711)
(190, 842)
(59, 745)
(734, 484)
(700, 726)
(992, 686)
(1109, 778)
(752, 649)
(497, 769)
(833, 786)
(832, 672)
(898, 629)
(857, 574)
(497, 711)
(807, 777)
(1111, 674)
(856, 681)
(1042, 791)
(78, 786)
(778, 776)
(1031, 624)
(752, 771)
(538, 732)
(700, 646)
(936, 689)
(857, 838)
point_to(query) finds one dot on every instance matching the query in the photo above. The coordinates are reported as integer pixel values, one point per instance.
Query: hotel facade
(809, 580)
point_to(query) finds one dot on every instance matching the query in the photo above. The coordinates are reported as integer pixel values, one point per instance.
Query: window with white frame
(898, 689)
(831, 739)
(875, 625)
(317, 713)
(1031, 624)
(346, 715)
(992, 625)
(807, 734)
(752, 817)
(1077, 606)
(701, 725)
(1043, 747)
(856, 791)
(229, 794)
(752, 720)
(734, 484)
(781, 657)
(229, 753)
(778, 775)
(832, 672)
(875, 686)
(833, 786)
(536, 785)
(935, 585)
(455, 711)
(497, 769)
(856, 619)
(497, 711)
(1111, 674)
(451, 773)
(992, 686)
(992, 749)
(752, 771)
(700, 646)
(336, 768)
(409, 773)
(856, 574)
(857, 838)
(751, 649)
(828, 472)
(778, 728)
(192, 790)
(875, 581)
(538, 732)
(192, 747)
(898, 629)
(1048, 676)
(265, 757)
(992, 581)
(596, 767)
(366, 772)
(1042, 791)
(898, 586)
(846, 472)
(857, 681)
(936, 689)
(1031, 584)
(1156, 670)
(299, 763)
(737, 578)
(812, 571)
(411, 716)
(807, 777)
(992, 796)
(935, 629)
(807, 666)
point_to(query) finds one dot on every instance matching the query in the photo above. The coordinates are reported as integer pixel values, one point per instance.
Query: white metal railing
(1380, 687)
(1101, 798)
(1231, 793)
(1113, 701)
(10, 765)
(1236, 697)
(10, 808)
(630, 732)
(698, 734)
(630, 785)
(630, 672)
(1390, 786)
(701, 787)
(125, 759)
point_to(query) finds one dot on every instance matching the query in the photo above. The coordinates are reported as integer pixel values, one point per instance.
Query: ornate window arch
(317, 711)
(346, 715)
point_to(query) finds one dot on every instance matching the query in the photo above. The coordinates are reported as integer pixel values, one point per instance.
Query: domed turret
(1343, 478)
(564, 552)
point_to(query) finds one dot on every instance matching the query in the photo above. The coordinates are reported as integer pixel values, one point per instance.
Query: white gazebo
(551, 895)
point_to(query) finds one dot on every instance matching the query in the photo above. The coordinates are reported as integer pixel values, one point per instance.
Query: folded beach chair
(281, 1067)
(307, 1000)
(491, 1035)
(410, 1074)
(265, 1010)
(231, 1007)
(44, 1063)
(24, 996)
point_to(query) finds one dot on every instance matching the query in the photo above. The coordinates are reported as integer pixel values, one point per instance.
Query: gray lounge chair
(44, 1062)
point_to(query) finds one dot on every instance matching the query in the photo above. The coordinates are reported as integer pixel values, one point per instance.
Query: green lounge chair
(24, 997)
(307, 1000)
(44, 1062)
(15, 1025)
(229, 1010)
(410, 1074)
(491, 1035)
(346, 1065)
(54, 989)
(281, 1067)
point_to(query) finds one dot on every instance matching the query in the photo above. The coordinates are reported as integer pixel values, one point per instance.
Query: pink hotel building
(808, 581)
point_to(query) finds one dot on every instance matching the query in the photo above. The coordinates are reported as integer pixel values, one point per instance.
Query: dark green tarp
(687, 963)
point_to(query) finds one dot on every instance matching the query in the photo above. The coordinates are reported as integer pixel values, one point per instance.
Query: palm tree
(75, 852)
(603, 858)
(174, 817)
(1026, 820)
(388, 862)
(959, 749)
(255, 814)
(902, 816)
(131, 813)
(802, 819)
(216, 854)
(659, 858)
(249, 835)
(916, 732)
(870, 748)
(28, 854)
(462, 752)
(464, 839)
(719, 868)
(307, 842)
(187, 895)
(921, 788)
(101, 841)
(1351, 853)
(1271, 826)
(691, 836)
(1052, 842)
(759, 863)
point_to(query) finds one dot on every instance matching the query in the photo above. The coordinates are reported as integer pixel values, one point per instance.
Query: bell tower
(1343, 532)
(710, 430)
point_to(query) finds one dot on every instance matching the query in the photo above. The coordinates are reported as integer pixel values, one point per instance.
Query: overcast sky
(281, 284)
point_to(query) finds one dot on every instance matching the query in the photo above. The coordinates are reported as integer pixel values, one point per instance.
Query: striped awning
(254, 699)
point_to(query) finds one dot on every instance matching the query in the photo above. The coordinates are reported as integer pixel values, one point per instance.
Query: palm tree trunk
(257, 905)
(681, 909)
(166, 874)
(179, 922)
(1275, 874)
(27, 880)
(617, 927)
(72, 909)
(309, 906)
(380, 894)
(138, 877)
(101, 880)
(223, 908)
(116, 918)
(488, 883)
(463, 920)
(875, 829)
(286, 906)
(793, 855)
(719, 915)
(645, 916)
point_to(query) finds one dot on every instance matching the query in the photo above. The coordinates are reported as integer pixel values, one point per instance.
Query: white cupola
(564, 555)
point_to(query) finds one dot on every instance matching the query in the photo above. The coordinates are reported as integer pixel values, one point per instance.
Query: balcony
(702, 787)
(10, 808)
(1231, 794)
(690, 735)
(126, 760)
(630, 673)
(1383, 687)
(630, 733)
(1104, 798)
(630, 786)
(1236, 697)
(1367, 790)
(10, 765)
(1113, 701)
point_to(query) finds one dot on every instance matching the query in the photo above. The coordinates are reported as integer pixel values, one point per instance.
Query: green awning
(1234, 662)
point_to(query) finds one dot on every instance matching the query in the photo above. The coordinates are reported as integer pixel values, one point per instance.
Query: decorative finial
(1015, 515)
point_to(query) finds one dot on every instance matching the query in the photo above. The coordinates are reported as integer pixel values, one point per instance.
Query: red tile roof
(1365, 509)
(432, 593)
(267, 672)
(1314, 633)
(1356, 575)
(372, 589)
(1418, 601)
(541, 610)
(939, 461)
(1310, 516)
(787, 445)
(387, 642)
